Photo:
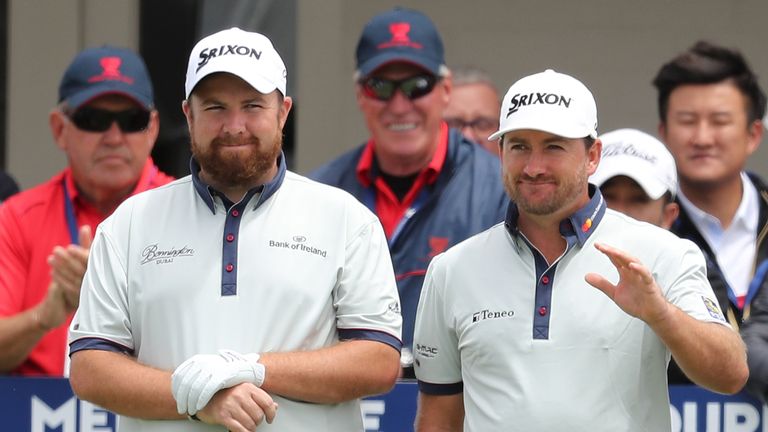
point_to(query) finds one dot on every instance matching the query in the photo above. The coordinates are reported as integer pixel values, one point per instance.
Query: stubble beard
(568, 190)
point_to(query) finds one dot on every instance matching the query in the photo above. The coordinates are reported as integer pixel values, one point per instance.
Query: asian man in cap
(637, 177)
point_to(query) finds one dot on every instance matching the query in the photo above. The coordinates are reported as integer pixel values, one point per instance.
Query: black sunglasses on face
(412, 88)
(99, 120)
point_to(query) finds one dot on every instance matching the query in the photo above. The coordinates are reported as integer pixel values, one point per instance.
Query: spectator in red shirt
(106, 124)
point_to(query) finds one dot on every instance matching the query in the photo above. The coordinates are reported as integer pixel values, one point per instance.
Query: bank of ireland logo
(298, 243)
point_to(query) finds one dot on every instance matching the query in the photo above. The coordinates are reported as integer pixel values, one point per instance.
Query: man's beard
(232, 169)
(568, 190)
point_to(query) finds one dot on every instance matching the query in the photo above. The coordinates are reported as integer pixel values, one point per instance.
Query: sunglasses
(99, 120)
(412, 88)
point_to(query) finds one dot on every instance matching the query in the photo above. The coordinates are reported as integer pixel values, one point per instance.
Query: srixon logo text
(209, 53)
(519, 100)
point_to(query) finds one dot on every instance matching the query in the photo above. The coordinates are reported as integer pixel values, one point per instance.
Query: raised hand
(636, 293)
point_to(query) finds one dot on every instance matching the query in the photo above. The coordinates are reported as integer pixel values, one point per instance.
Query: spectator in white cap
(637, 177)
(548, 310)
(256, 289)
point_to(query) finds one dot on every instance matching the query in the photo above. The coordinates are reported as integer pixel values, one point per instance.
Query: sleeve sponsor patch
(713, 309)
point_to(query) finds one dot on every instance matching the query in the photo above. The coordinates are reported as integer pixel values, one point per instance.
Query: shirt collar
(206, 192)
(746, 217)
(367, 168)
(581, 223)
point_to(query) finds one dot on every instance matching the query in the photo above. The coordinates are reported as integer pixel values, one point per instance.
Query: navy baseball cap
(106, 70)
(399, 35)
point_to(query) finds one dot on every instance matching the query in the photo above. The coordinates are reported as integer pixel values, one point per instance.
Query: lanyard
(69, 211)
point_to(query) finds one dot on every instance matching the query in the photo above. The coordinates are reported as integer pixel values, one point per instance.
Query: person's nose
(399, 103)
(703, 134)
(469, 132)
(234, 123)
(535, 165)
(114, 135)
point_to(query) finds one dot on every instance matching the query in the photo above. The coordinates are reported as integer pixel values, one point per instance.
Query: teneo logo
(208, 53)
(153, 253)
(426, 351)
(487, 314)
(298, 244)
(519, 100)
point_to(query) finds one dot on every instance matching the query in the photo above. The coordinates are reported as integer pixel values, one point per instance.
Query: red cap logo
(438, 245)
(399, 31)
(111, 71)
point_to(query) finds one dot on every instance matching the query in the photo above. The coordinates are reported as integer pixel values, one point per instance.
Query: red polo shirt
(389, 209)
(31, 224)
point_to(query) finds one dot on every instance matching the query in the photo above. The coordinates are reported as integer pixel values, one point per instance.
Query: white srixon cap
(248, 55)
(550, 102)
(639, 156)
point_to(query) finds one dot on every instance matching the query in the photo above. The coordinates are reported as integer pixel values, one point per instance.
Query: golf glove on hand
(196, 380)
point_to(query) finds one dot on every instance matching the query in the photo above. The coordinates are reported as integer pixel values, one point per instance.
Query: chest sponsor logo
(298, 243)
(426, 351)
(487, 314)
(155, 254)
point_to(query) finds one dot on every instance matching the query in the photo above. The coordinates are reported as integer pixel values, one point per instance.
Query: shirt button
(235, 213)
(545, 280)
(230, 267)
(543, 310)
(230, 238)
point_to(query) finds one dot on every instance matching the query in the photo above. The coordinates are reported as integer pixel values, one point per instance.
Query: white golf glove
(196, 380)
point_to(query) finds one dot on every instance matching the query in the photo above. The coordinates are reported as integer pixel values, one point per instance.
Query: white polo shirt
(535, 347)
(298, 266)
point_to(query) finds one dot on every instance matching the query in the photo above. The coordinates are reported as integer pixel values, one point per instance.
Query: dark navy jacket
(754, 331)
(467, 198)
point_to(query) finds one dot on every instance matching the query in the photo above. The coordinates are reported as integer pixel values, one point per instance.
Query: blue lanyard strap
(69, 211)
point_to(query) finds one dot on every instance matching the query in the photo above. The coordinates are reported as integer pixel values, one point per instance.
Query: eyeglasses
(384, 89)
(478, 124)
(99, 120)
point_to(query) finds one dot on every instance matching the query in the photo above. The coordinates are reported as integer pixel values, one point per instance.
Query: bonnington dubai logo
(298, 243)
(153, 253)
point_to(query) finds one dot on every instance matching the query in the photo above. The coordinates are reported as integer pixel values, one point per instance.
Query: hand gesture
(67, 270)
(68, 266)
(636, 292)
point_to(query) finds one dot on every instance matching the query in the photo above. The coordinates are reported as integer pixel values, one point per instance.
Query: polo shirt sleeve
(365, 297)
(14, 262)
(437, 360)
(683, 278)
(102, 319)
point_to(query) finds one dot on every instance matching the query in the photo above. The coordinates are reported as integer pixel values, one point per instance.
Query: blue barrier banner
(48, 405)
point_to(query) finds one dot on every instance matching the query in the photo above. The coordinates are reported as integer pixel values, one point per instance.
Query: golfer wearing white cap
(637, 177)
(243, 292)
(544, 322)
